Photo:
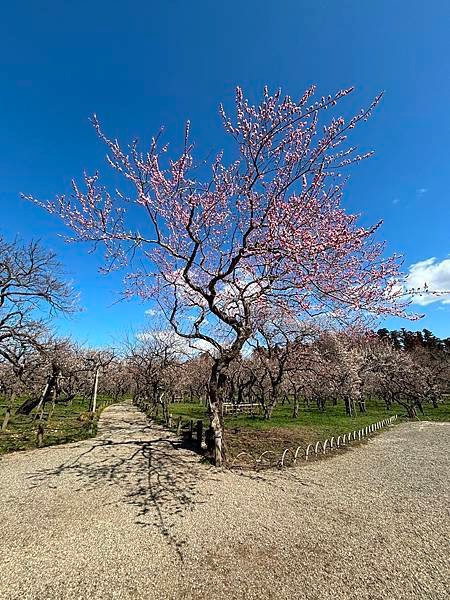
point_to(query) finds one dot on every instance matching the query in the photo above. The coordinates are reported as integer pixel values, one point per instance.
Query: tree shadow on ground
(276, 478)
(158, 476)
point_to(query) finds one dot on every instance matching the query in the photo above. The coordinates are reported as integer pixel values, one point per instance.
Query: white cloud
(433, 274)
(183, 347)
(395, 200)
(193, 318)
(421, 191)
(151, 312)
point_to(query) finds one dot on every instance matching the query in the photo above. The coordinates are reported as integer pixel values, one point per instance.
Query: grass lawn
(68, 423)
(255, 434)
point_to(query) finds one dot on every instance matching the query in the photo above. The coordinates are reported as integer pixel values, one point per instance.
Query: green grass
(244, 433)
(255, 434)
(441, 413)
(68, 423)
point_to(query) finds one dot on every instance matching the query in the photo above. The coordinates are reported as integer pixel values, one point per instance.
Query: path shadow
(158, 476)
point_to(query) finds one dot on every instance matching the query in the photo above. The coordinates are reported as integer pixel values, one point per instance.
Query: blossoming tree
(219, 246)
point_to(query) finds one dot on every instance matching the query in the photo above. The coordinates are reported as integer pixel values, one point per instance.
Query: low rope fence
(291, 456)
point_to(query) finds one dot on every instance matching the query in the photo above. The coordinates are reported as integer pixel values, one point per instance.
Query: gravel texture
(132, 515)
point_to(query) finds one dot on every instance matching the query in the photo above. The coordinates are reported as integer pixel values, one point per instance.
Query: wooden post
(94, 391)
(199, 434)
(54, 394)
(40, 434)
(179, 426)
(40, 406)
(209, 439)
(6, 418)
(191, 428)
(92, 423)
(169, 421)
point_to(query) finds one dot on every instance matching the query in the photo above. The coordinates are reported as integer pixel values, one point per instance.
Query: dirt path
(132, 515)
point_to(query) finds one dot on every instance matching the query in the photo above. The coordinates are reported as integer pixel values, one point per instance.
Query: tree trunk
(155, 402)
(273, 399)
(348, 406)
(216, 390)
(409, 407)
(39, 403)
(217, 447)
(232, 393)
(165, 407)
(412, 413)
(321, 404)
(240, 394)
(216, 424)
(268, 409)
(296, 407)
(388, 400)
(54, 394)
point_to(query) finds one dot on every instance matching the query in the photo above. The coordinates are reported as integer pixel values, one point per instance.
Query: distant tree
(59, 362)
(97, 362)
(274, 343)
(383, 333)
(430, 341)
(194, 377)
(154, 359)
(32, 287)
(116, 382)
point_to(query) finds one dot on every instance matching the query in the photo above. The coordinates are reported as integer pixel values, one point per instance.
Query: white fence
(248, 408)
(290, 456)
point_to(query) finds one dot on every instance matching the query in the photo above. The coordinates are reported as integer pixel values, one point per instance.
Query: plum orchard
(262, 233)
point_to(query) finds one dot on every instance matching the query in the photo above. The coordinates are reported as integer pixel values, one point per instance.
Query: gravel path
(132, 515)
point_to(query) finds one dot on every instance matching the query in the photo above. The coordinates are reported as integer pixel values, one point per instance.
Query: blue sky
(142, 64)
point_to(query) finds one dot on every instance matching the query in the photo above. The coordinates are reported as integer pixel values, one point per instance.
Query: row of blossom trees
(315, 368)
(36, 366)
(327, 368)
(283, 360)
(303, 367)
(52, 370)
